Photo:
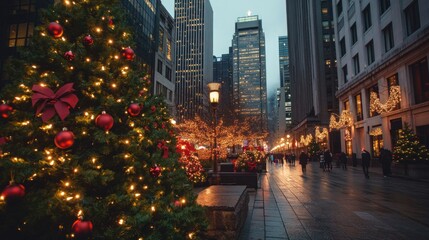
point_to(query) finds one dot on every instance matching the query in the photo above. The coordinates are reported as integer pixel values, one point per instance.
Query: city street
(341, 204)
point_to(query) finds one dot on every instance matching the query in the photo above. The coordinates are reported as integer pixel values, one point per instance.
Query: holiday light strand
(306, 140)
(321, 134)
(391, 103)
(345, 120)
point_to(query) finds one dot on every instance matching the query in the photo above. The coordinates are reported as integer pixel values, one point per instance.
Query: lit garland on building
(392, 102)
(306, 140)
(345, 120)
(321, 134)
(376, 132)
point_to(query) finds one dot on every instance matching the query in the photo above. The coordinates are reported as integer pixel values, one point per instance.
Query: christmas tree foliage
(313, 148)
(408, 147)
(87, 153)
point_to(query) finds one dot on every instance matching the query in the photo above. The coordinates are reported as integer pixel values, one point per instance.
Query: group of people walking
(326, 158)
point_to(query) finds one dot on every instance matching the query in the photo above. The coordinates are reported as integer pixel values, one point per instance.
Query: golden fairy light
(321, 134)
(306, 140)
(345, 120)
(375, 104)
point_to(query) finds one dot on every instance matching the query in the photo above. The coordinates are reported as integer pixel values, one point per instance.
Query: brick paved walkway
(336, 205)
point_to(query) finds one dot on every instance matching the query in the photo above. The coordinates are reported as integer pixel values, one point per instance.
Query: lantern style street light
(214, 102)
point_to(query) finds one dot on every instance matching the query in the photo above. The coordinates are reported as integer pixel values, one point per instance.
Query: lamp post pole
(214, 101)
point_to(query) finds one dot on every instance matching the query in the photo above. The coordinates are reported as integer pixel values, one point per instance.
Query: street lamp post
(214, 102)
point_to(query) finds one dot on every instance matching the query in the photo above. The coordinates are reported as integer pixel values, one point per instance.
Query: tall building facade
(382, 45)
(18, 19)
(312, 68)
(284, 103)
(222, 73)
(164, 83)
(249, 70)
(194, 56)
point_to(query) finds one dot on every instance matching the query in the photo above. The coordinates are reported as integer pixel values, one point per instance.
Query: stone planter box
(249, 179)
(412, 169)
(226, 210)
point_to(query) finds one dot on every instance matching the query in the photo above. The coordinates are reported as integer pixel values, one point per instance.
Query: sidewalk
(336, 205)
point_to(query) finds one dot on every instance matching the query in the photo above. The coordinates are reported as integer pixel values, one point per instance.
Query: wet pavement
(341, 204)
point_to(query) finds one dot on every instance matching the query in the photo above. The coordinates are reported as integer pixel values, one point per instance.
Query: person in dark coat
(386, 161)
(343, 159)
(303, 158)
(366, 158)
(328, 160)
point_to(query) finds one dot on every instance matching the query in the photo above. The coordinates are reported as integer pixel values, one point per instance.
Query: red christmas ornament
(55, 30)
(134, 109)
(153, 108)
(104, 121)
(5, 110)
(82, 228)
(69, 55)
(128, 53)
(177, 203)
(64, 139)
(13, 192)
(88, 41)
(155, 171)
(111, 23)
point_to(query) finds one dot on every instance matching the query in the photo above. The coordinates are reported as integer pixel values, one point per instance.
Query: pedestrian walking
(322, 160)
(386, 161)
(293, 157)
(343, 159)
(328, 160)
(303, 158)
(366, 158)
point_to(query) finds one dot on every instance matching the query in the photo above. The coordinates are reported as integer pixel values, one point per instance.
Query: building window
(384, 5)
(161, 40)
(359, 113)
(373, 89)
(377, 144)
(395, 126)
(339, 8)
(370, 58)
(353, 33)
(168, 73)
(343, 46)
(393, 81)
(326, 38)
(389, 42)
(345, 73)
(356, 67)
(159, 66)
(325, 25)
(22, 6)
(346, 105)
(412, 17)
(20, 34)
(324, 11)
(366, 14)
(168, 54)
(420, 75)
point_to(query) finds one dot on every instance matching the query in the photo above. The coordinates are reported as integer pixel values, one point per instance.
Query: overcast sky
(225, 14)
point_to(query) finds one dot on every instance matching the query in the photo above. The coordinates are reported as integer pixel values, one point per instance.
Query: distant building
(249, 70)
(382, 45)
(312, 67)
(222, 73)
(19, 17)
(194, 56)
(284, 103)
(164, 83)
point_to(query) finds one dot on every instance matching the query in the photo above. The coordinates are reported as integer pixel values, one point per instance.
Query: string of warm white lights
(375, 104)
(345, 120)
(306, 140)
(321, 134)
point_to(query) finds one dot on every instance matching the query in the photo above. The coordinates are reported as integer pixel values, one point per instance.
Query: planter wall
(418, 170)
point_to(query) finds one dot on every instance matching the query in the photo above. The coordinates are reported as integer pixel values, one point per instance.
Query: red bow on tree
(48, 103)
(161, 145)
(251, 166)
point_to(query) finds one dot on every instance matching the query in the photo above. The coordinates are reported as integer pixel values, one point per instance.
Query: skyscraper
(284, 100)
(222, 73)
(194, 55)
(312, 67)
(249, 72)
(164, 83)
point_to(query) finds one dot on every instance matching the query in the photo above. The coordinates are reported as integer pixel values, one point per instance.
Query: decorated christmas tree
(313, 148)
(408, 147)
(87, 152)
